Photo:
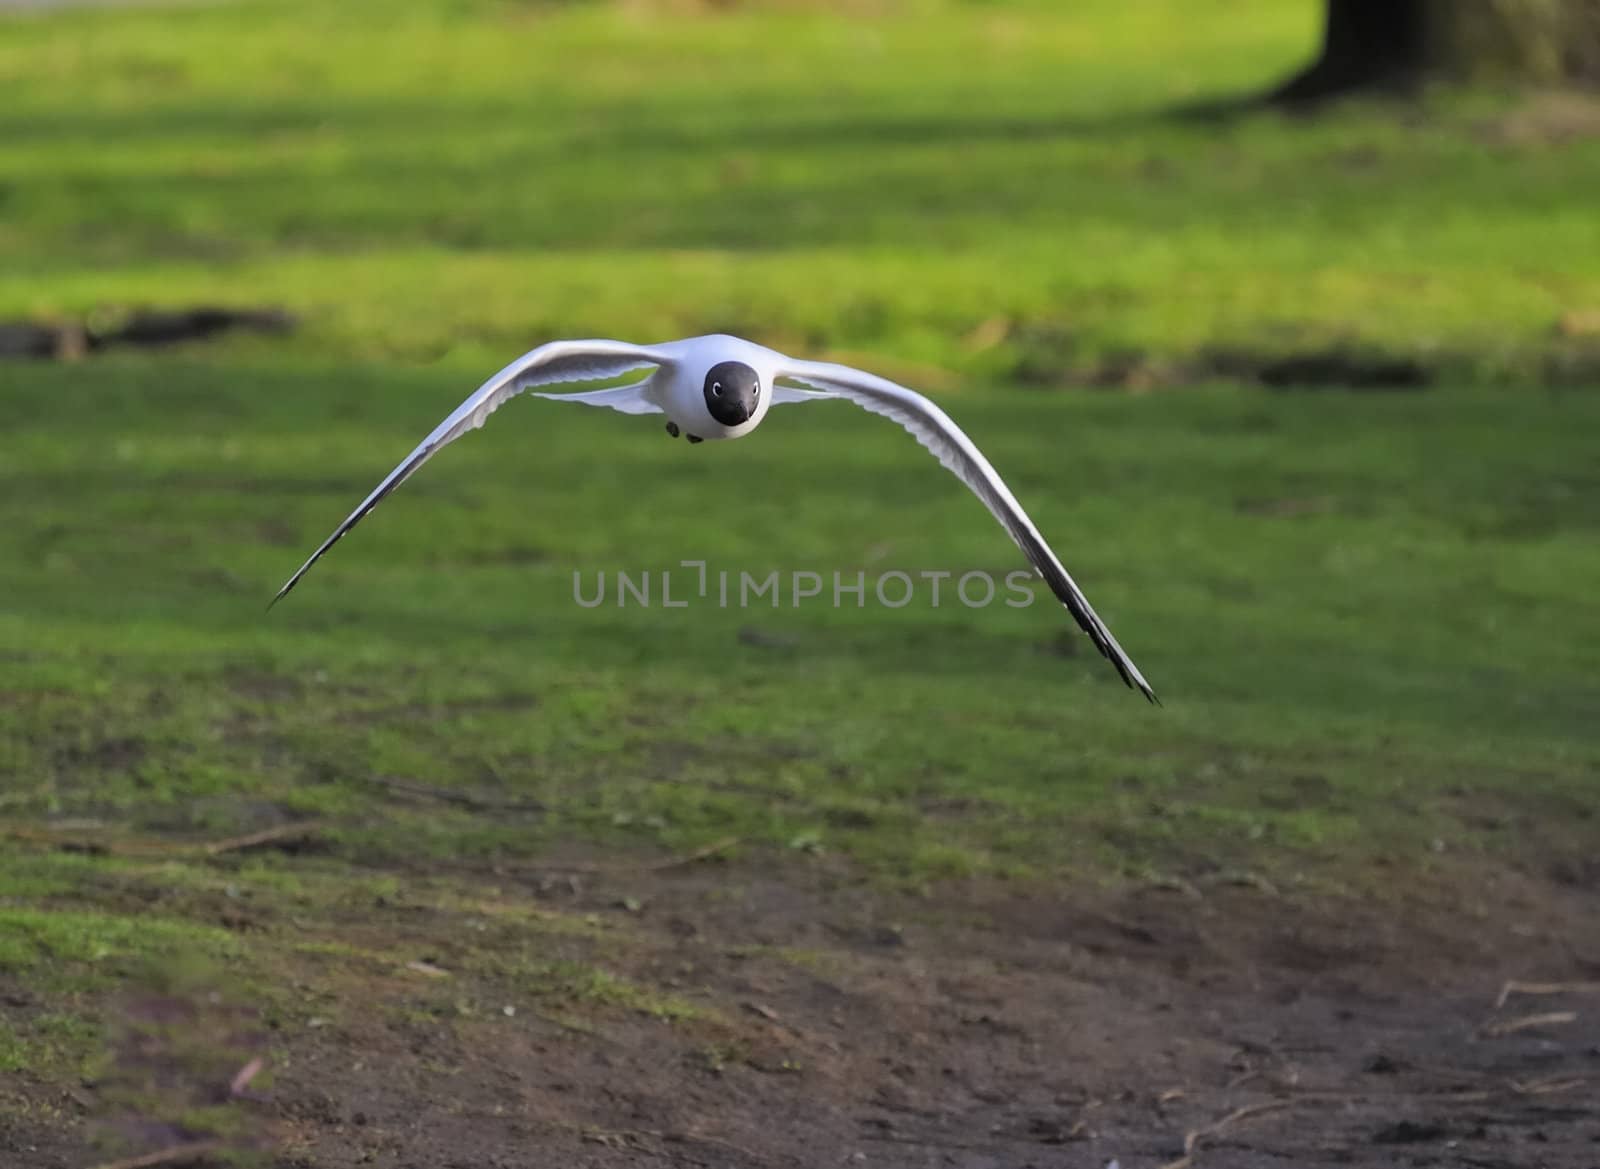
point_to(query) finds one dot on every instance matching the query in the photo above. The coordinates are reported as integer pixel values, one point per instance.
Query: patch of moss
(583, 984)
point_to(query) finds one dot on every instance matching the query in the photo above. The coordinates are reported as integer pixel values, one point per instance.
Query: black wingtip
(283, 592)
(1136, 683)
(1131, 678)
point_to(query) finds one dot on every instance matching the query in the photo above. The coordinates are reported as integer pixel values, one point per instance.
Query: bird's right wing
(552, 364)
(935, 430)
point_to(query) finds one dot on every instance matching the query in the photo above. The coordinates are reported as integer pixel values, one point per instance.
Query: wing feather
(552, 364)
(947, 442)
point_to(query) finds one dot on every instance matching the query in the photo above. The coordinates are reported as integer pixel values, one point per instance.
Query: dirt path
(977, 1028)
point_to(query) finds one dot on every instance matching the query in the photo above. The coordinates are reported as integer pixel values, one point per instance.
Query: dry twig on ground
(1501, 1027)
(1516, 987)
(1191, 1141)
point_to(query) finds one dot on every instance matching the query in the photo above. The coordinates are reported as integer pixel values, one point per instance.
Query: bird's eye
(716, 388)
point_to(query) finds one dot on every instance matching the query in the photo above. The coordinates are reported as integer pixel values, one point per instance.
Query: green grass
(1370, 617)
(35, 939)
(995, 188)
(1379, 593)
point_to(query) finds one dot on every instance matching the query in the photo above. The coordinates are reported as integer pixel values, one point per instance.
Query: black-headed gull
(722, 387)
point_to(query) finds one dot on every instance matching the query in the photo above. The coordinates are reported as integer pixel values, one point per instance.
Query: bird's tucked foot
(672, 429)
(696, 438)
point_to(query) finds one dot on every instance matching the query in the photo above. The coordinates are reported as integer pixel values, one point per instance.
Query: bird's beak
(744, 405)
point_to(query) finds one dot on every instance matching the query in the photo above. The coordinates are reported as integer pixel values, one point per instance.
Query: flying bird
(717, 387)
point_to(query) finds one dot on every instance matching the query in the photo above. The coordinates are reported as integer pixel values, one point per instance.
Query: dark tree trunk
(1366, 44)
(1394, 44)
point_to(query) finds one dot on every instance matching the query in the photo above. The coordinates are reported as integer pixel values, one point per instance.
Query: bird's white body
(677, 388)
(694, 380)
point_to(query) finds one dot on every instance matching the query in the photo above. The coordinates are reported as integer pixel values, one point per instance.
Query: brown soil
(981, 1026)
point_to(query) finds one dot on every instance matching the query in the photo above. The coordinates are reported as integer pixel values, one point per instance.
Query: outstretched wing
(559, 361)
(933, 428)
(785, 395)
(629, 399)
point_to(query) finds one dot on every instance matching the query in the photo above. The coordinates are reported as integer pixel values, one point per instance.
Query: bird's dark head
(733, 391)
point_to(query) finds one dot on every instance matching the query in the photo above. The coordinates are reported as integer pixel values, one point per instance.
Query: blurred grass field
(1371, 617)
(994, 188)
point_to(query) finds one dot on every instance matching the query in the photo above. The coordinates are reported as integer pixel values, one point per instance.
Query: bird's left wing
(559, 361)
(933, 428)
(786, 395)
